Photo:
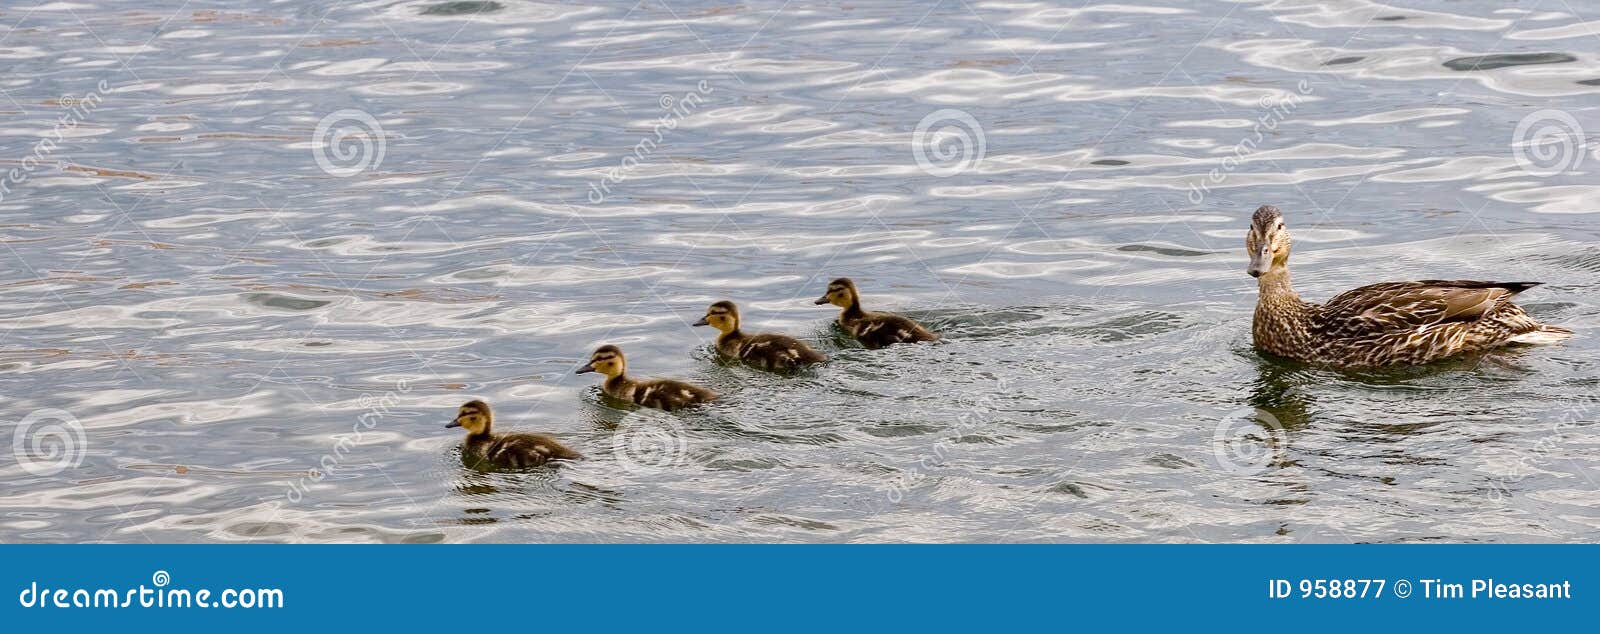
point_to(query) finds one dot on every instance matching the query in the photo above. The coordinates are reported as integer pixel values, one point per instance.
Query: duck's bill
(822, 300)
(587, 368)
(702, 322)
(1259, 263)
(454, 423)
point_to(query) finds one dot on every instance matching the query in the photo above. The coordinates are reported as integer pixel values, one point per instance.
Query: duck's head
(474, 417)
(724, 316)
(841, 293)
(1268, 242)
(606, 360)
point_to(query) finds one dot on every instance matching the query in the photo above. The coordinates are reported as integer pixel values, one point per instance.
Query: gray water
(222, 323)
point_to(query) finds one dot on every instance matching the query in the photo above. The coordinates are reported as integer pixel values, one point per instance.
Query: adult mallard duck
(768, 351)
(873, 330)
(511, 451)
(664, 394)
(1392, 323)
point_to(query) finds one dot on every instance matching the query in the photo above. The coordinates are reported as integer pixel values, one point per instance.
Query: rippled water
(250, 327)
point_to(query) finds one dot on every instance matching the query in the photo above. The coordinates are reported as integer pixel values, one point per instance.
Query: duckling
(873, 330)
(768, 351)
(664, 394)
(1391, 323)
(511, 451)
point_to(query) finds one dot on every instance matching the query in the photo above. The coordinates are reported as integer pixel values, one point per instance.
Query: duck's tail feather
(1518, 287)
(1543, 335)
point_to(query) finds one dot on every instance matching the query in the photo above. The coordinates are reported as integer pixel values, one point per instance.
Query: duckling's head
(474, 416)
(1268, 242)
(723, 316)
(606, 360)
(841, 293)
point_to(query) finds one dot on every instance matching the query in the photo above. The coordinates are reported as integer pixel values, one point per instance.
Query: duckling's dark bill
(454, 423)
(702, 322)
(821, 301)
(587, 368)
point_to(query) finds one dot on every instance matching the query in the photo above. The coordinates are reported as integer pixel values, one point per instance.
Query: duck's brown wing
(523, 450)
(1393, 306)
(778, 352)
(669, 395)
(882, 329)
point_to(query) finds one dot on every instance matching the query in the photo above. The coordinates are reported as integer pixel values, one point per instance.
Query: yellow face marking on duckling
(724, 316)
(606, 360)
(1268, 242)
(841, 293)
(474, 416)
